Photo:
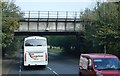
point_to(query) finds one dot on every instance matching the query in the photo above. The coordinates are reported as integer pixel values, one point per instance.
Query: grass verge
(55, 50)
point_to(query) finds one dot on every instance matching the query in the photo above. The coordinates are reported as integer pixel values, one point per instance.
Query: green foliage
(104, 25)
(67, 43)
(10, 16)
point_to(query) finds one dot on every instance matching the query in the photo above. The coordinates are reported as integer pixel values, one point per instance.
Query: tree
(67, 43)
(105, 25)
(10, 16)
(107, 29)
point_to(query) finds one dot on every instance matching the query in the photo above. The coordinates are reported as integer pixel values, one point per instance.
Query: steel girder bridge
(50, 23)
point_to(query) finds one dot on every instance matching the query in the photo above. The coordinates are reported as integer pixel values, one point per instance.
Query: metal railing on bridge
(51, 14)
(51, 21)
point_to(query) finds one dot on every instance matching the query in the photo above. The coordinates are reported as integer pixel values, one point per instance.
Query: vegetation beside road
(104, 29)
(55, 50)
(10, 16)
(101, 34)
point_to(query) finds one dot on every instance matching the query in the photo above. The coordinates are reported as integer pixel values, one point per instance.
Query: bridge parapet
(51, 14)
(51, 21)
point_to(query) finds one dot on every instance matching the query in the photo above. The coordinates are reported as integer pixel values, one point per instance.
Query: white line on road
(19, 70)
(20, 61)
(49, 68)
(53, 71)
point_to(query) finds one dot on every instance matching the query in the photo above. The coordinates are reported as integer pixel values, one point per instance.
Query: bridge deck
(50, 22)
(46, 33)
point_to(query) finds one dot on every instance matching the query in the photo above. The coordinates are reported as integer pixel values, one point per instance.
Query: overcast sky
(55, 5)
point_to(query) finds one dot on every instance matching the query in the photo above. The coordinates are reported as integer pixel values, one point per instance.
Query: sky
(55, 5)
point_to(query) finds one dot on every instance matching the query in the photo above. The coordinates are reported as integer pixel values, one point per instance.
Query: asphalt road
(58, 66)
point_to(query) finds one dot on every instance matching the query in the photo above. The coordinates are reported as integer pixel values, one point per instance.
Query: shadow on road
(33, 68)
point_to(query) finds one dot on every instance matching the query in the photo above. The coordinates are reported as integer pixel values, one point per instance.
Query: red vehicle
(99, 65)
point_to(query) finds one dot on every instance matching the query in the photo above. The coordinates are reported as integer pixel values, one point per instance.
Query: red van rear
(99, 65)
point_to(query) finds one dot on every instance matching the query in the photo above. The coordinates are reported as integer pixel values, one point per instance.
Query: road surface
(58, 66)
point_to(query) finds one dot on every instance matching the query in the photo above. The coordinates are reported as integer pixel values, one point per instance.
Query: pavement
(0, 67)
(6, 65)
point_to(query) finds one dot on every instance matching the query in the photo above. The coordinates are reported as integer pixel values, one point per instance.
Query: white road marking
(20, 65)
(49, 68)
(53, 71)
(19, 70)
